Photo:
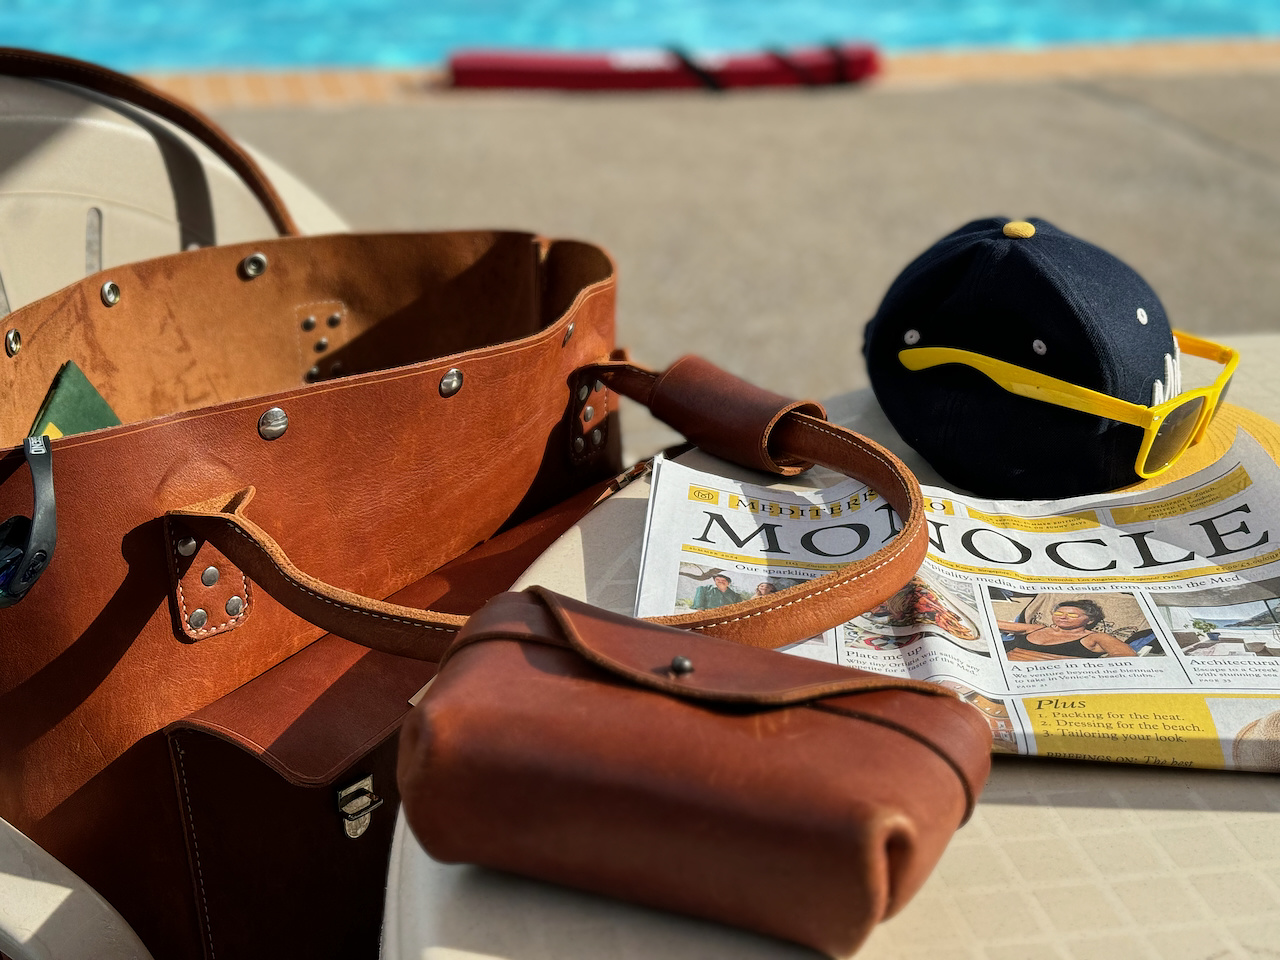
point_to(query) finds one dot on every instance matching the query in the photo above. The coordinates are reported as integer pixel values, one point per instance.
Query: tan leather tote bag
(449, 406)
(201, 569)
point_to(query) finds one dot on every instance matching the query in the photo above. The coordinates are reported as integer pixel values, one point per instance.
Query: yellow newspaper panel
(1174, 729)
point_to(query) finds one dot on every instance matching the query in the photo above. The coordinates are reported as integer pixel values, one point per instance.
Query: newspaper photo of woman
(1056, 627)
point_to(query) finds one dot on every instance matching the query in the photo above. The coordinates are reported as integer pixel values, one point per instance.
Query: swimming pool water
(207, 34)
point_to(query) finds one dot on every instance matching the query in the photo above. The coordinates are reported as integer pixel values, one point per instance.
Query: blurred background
(148, 35)
(757, 227)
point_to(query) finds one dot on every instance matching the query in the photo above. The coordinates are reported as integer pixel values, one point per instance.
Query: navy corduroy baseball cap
(1034, 296)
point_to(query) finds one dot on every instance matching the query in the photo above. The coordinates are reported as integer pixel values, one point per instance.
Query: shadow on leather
(40, 702)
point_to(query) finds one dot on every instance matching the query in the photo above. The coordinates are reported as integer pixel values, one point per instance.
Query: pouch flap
(645, 653)
(314, 715)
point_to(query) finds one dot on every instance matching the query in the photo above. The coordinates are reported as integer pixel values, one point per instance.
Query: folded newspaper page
(1137, 627)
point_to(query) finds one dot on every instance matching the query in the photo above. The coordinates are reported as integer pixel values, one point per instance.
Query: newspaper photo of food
(924, 607)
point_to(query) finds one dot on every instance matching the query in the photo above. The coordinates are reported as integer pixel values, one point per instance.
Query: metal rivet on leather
(254, 265)
(588, 414)
(451, 383)
(567, 334)
(187, 546)
(197, 619)
(210, 576)
(336, 370)
(308, 323)
(579, 444)
(313, 373)
(599, 386)
(110, 293)
(583, 392)
(234, 606)
(12, 342)
(597, 437)
(335, 319)
(681, 666)
(322, 345)
(273, 423)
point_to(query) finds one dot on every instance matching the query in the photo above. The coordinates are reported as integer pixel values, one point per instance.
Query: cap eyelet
(911, 338)
(1039, 347)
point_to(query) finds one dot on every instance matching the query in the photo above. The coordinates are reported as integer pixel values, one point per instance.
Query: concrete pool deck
(242, 89)
(761, 228)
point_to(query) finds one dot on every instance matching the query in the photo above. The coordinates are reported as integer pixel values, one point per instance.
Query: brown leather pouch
(798, 799)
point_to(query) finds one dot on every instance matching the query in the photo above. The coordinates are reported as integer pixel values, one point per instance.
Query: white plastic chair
(86, 183)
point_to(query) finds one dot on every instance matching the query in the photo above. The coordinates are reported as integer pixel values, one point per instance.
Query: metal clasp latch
(356, 802)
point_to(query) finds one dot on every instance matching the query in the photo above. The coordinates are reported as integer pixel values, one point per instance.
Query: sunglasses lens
(1174, 436)
(1222, 397)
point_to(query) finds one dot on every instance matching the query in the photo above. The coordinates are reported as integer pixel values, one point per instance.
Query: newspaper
(1138, 627)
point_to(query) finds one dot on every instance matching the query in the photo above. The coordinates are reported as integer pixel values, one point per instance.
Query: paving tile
(1202, 846)
(1120, 855)
(1047, 859)
(1012, 914)
(1081, 909)
(1199, 943)
(1129, 946)
(1237, 895)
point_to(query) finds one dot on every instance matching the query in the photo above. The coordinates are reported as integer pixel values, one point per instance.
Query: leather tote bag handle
(16, 62)
(726, 416)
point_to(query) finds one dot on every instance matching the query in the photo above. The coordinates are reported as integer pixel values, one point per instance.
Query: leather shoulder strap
(16, 62)
(738, 421)
(755, 426)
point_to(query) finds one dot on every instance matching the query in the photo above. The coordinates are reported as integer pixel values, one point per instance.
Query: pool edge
(241, 89)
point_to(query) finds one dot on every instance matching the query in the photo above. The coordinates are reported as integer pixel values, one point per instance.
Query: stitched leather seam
(335, 603)
(318, 303)
(844, 580)
(195, 847)
(182, 604)
(969, 799)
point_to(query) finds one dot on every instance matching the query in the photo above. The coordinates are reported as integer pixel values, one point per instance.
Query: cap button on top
(1020, 229)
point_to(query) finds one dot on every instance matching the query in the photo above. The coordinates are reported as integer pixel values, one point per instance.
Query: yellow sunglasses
(1169, 428)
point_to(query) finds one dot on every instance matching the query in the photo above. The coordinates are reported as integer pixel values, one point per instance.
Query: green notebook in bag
(72, 405)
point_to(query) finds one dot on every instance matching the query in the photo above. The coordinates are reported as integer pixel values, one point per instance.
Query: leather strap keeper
(723, 414)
